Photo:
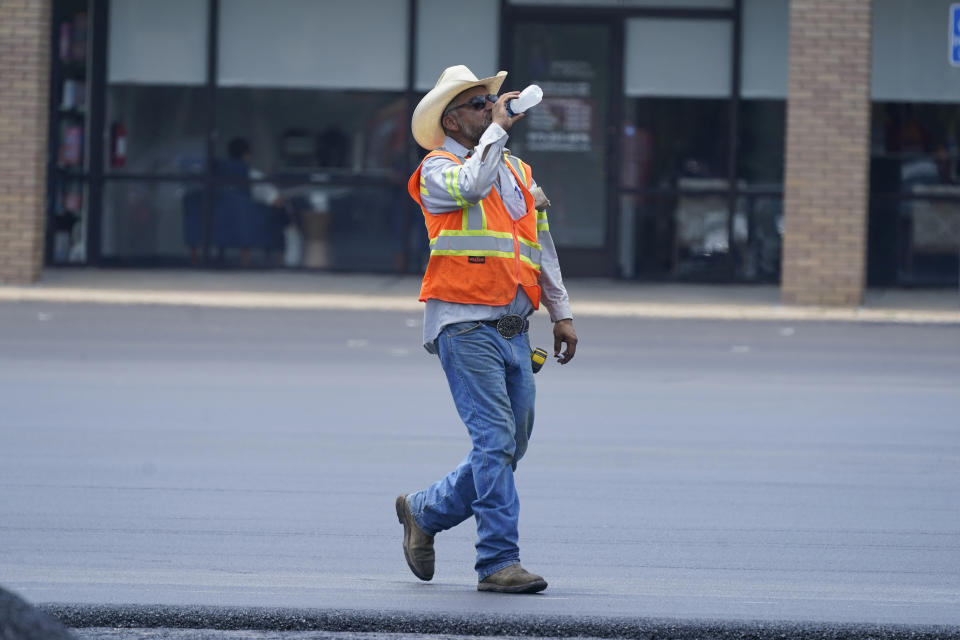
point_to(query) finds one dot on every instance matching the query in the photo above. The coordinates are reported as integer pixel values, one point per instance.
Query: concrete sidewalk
(590, 297)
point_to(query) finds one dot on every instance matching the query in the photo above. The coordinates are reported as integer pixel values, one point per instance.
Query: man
(491, 258)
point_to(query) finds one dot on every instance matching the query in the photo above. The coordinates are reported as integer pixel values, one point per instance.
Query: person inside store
(311, 205)
(248, 213)
(492, 262)
(945, 157)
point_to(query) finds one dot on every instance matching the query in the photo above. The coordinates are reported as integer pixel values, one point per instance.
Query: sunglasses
(477, 102)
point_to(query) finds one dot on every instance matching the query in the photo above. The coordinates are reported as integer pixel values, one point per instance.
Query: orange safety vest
(479, 254)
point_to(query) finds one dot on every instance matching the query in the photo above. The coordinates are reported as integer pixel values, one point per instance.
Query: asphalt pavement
(686, 478)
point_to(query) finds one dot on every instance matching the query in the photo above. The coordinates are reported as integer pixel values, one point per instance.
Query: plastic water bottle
(529, 97)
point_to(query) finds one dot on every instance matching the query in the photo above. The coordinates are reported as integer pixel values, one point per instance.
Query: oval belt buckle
(509, 325)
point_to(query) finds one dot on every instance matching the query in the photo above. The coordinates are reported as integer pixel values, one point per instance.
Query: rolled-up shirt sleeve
(553, 294)
(448, 186)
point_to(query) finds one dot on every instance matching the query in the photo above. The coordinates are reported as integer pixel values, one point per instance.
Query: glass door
(565, 138)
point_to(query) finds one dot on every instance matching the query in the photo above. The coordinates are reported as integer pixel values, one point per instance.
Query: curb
(220, 299)
(354, 621)
(767, 313)
(354, 302)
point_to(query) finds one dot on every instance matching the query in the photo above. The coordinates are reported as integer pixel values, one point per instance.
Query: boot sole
(531, 587)
(402, 517)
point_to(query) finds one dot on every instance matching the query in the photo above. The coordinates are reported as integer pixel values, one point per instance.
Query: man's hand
(500, 110)
(563, 333)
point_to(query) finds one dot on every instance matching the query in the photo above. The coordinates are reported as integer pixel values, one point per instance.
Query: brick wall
(827, 153)
(24, 80)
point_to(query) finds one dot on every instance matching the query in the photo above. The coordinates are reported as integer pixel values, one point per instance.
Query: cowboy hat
(426, 117)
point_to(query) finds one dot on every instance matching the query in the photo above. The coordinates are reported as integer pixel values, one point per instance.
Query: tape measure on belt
(537, 357)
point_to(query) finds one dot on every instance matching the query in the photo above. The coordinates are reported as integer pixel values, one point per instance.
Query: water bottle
(529, 97)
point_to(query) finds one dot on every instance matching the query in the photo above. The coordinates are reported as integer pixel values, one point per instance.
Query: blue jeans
(492, 384)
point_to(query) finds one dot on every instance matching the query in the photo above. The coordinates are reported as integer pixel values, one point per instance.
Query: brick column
(827, 153)
(24, 87)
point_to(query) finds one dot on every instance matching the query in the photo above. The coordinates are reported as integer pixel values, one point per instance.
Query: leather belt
(509, 325)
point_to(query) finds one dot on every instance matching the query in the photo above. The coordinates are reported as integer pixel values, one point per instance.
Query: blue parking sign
(955, 35)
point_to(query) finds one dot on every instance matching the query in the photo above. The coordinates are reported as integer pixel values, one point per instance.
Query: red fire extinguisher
(118, 145)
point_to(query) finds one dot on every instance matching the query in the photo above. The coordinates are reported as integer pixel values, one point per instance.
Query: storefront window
(334, 161)
(914, 235)
(334, 44)
(930, 235)
(762, 249)
(680, 147)
(764, 43)
(155, 220)
(677, 83)
(647, 235)
(299, 130)
(910, 54)
(665, 140)
(915, 193)
(323, 227)
(760, 170)
(685, 235)
(437, 35)
(674, 142)
(762, 134)
(156, 70)
(323, 121)
(682, 235)
(155, 129)
(157, 42)
(364, 228)
(921, 139)
(915, 130)
(677, 58)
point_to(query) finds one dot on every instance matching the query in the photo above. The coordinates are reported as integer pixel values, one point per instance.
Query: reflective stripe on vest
(470, 244)
(474, 219)
(486, 243)
(542, 224)
(452, 181)
(530, 252)
(515, 163)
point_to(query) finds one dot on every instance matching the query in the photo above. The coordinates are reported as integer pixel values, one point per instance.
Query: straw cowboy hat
(426, 117)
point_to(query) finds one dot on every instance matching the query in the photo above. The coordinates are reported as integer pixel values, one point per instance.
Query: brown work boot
(513, 579)
(417, 546)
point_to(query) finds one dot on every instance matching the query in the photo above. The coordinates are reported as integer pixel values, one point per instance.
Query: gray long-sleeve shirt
(483, 170)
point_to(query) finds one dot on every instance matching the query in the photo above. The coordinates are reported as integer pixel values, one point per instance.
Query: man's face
(472, 122)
